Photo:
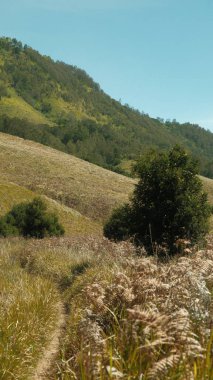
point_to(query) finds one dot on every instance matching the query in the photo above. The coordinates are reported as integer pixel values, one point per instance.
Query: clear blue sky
(155, 55)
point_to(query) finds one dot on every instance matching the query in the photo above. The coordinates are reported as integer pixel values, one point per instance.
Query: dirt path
(50, 352)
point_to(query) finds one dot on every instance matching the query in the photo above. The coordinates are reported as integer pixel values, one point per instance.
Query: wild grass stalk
(129, 316)
(27, 317)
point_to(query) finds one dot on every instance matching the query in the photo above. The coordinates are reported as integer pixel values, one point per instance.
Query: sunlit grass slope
(82, 186)
(73, 222)
(15, 106)
(87, 188)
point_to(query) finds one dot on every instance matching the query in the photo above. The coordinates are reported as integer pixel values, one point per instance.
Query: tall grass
(129, 316)
(136, 318)
(27, 317)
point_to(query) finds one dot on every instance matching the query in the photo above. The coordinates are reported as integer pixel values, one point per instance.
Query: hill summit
(59, 105)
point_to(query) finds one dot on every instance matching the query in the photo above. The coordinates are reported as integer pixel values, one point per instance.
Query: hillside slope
(73, 222)
(85, 187)
(70, 181)
(38, 276)
(77, 117)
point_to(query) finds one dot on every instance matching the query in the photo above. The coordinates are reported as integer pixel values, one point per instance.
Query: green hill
(81, 306)
(60, 106)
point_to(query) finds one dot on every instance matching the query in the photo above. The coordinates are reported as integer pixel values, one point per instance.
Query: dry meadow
(83, 308)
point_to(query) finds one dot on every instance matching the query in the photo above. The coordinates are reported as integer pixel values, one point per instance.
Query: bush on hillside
(168, 203)
(30, 220)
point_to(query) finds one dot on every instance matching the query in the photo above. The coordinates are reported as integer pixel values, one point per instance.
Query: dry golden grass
(129, 316)
(137, 318)
(87, 188)
(27, 316)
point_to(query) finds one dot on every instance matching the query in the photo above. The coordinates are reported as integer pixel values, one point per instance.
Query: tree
(39, 223)
(168, 203)
(30, 220)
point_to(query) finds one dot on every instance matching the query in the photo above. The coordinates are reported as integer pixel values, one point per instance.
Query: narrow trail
(50, 352)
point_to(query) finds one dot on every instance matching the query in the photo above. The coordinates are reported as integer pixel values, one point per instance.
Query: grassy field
(84, 187)
(125, 315)
(87, 188)
(27, 316)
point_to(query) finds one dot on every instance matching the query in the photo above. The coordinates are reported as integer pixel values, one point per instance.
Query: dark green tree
(39, 223)
(168, 203)
(30, 220)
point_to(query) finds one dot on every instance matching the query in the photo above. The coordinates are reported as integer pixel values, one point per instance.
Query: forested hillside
(60, 106)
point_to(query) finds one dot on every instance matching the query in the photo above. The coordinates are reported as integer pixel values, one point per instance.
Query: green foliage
(118, 226)
(30, 131)
(198, 140)
(87, 122)
(3, 89)
(168, 203)
(30, 220)
(7, 229)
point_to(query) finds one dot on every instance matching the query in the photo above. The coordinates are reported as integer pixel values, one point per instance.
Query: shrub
(30, 220)
(168, 203)
(118, 226)
(7, 229)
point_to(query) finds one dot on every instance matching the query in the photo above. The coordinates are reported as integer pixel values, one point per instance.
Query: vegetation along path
(50, 352)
